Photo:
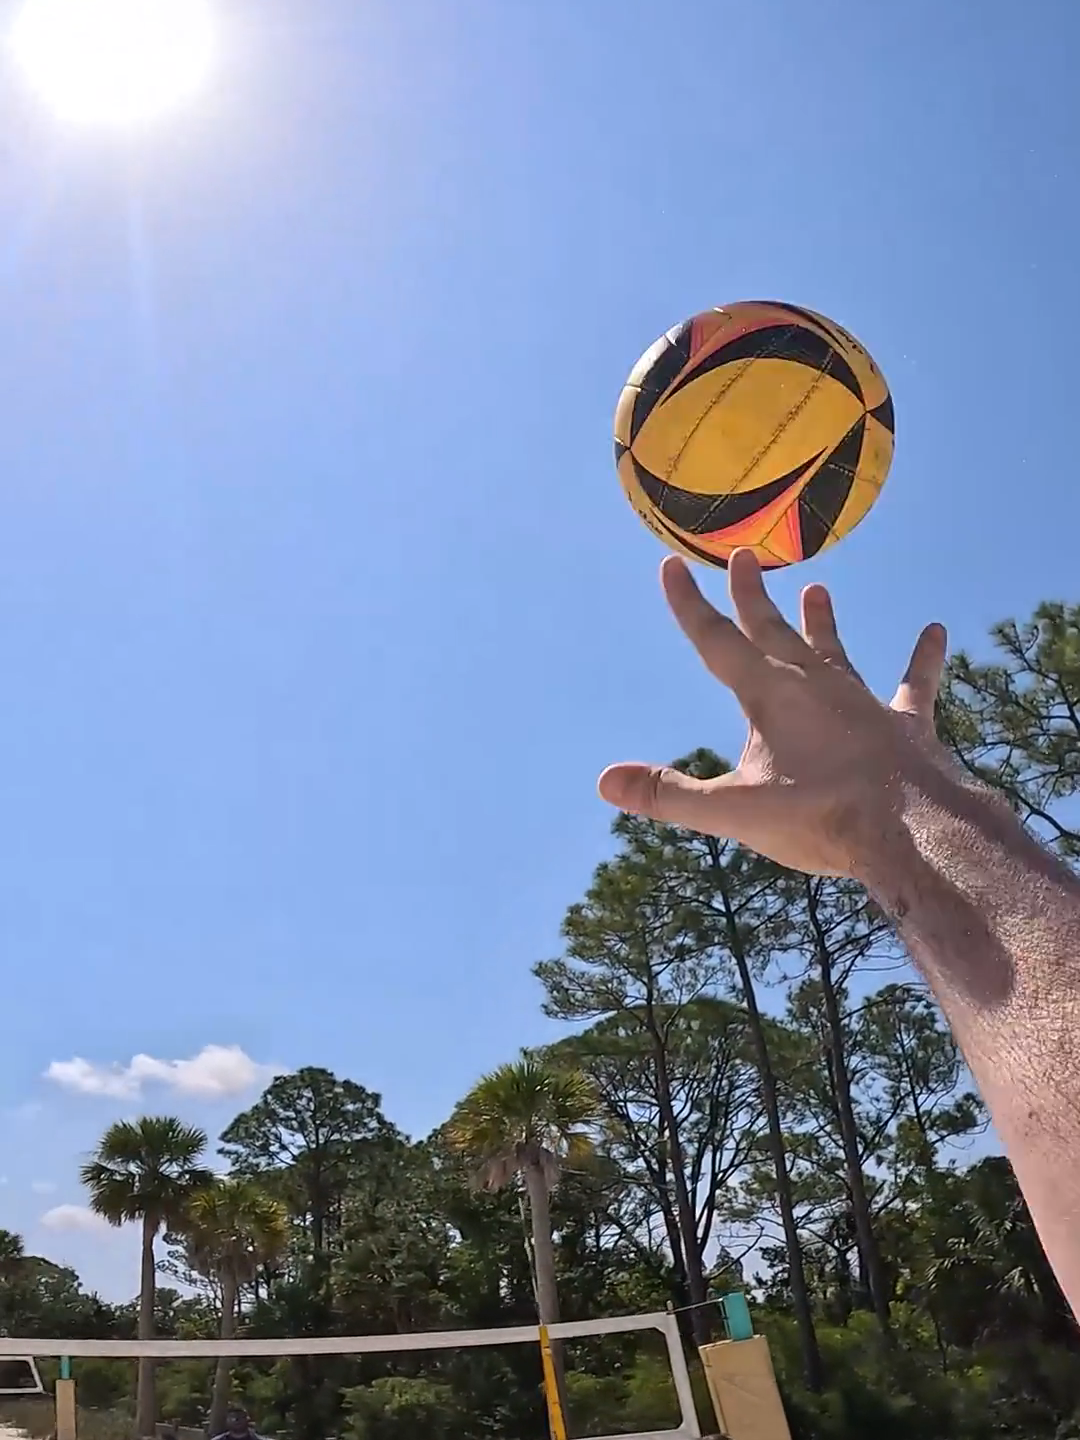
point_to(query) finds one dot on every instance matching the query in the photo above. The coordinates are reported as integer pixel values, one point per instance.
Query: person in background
(833, 782)
(238, 1426)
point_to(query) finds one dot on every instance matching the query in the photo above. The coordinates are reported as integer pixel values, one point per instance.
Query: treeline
(755, 1092)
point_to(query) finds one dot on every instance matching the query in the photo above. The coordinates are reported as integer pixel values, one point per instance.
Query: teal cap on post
(737, 1320)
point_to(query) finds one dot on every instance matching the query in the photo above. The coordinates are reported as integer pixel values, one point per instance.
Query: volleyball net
(595, 1352)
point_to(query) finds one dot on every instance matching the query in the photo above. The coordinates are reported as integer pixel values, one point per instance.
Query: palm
(812, 782)
(146, 1171)
(12, 1262)
(231, 1229)
(145, 1167)
(11, 1250)
(527, 1119)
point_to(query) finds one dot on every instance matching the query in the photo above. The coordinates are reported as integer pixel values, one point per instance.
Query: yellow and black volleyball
(756, 424)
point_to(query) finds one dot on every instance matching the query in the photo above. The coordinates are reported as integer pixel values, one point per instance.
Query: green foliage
(1015, 722)
(232, 1228)
(306, 1139)
(396, 1407)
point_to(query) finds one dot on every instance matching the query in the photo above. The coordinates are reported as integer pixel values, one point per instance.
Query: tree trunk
(684, 1206)
(926, 1157)
(547, 1294)
(146, 1401)
(223, 1370)
(849, 1135)
(800, 1295)
(680, 1290)
(674, 1239)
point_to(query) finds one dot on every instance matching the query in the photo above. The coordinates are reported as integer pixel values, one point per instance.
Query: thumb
(712, 807)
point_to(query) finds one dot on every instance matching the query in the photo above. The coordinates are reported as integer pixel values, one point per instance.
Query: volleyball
(757, 424)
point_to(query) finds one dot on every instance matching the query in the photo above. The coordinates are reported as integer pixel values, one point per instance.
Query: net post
(681, 1375)
(66, 1424)
(736, 1314)
(556, 1419)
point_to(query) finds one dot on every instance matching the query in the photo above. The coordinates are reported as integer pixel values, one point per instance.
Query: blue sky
(320, 607)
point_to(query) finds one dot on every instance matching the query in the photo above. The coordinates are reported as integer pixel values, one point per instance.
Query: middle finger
(758, 617)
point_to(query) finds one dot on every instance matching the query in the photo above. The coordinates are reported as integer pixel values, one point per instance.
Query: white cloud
(216, 1071)
(42, 1187)
(73, 1217)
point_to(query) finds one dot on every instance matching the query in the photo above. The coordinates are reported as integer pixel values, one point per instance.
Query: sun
(114, 62)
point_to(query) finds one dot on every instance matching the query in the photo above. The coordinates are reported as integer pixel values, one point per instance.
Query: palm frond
(146, 1167)
(530, 1111)
(232, 1227)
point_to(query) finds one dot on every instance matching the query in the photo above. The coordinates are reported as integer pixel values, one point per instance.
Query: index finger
(726, 651)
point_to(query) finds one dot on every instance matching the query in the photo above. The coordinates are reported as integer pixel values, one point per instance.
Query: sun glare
(114, 62)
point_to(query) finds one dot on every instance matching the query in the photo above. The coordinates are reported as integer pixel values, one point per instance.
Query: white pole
(681, 1376)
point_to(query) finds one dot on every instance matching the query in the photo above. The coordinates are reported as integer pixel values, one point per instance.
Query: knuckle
(657, 783)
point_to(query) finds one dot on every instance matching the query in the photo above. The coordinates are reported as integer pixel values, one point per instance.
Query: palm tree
(146, 1171)
(12, 1265)
(527, 1120)
(12, 1255)
(231, 1229)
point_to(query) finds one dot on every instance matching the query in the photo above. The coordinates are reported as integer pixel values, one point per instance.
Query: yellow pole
(551, 1388)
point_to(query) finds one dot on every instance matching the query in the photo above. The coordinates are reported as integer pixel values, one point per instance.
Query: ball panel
(827, 490)
(720, 435)
(877, 453)
(795, 343)
(651, 517)
(713, 329)
(870, 377)
(624, 409)
(757, 526)
(701, 515)
(708, 330)
(883, 414)
(656, 371)
(709, 550)
(863, 494)
(784, 540)
(717, 329)
(815, 533)
(647, 361)
(765, 557)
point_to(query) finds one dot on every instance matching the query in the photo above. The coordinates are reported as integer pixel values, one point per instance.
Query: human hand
(827, 768)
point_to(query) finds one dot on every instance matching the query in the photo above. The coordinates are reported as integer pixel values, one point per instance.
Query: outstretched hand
(822, 779)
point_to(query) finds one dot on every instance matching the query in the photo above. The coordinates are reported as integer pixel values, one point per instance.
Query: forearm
(993, 923)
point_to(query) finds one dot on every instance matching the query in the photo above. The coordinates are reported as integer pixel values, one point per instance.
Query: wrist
(945, 824)
(965, 882)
